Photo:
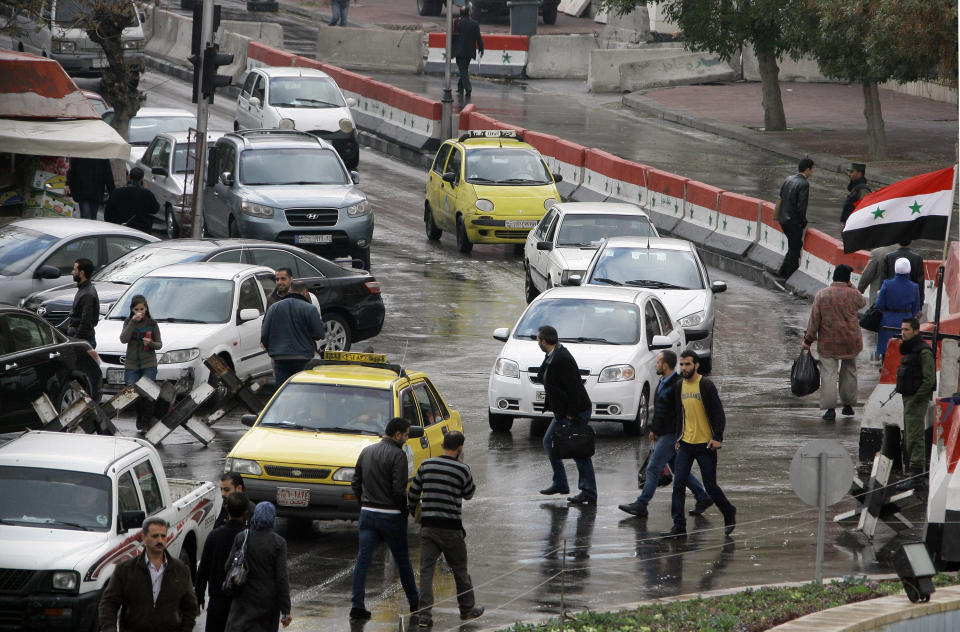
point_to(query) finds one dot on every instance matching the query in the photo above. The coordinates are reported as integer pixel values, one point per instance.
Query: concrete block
(237, 45)
(804, 69)
(678, 70)
(268, 33)
(603, 68)
(632, 28)
(371, 49)
(560, 56)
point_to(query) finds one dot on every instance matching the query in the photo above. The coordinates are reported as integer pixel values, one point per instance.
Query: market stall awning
(38, 87)
(83, 138)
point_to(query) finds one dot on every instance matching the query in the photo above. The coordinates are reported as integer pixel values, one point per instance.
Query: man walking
(857, 189)
(289, 333)
(701, 436)
(283, 276)
(917, 274)
(232, 483)
(835, 327)
(82, 321)
(667, 416)
(132, 205)
(89, 180)
(380, 484)
(464, 49)
(338, 12)
(441, 484)
(872, 276)
(566, 397)
(794, 193)
(216, 552)
(151, 592)
(916, 379)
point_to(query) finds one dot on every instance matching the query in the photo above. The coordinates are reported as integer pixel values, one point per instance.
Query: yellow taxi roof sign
(490, 133)
(349, 356)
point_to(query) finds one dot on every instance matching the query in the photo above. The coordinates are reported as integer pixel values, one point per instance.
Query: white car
(148, 122)
(566, 238)
(614, 334)
(305, 99)
(202, 309)
(670, 268)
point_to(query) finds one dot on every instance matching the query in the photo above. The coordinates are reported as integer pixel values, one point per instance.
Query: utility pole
(203, 108)
(446, 110)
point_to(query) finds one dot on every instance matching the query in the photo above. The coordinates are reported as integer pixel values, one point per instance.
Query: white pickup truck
(71, 507)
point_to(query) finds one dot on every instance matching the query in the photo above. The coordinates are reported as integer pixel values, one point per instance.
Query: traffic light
(212, 60)
(196, 44)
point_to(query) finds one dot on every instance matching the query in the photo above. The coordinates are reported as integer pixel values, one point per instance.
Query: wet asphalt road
(441, 309)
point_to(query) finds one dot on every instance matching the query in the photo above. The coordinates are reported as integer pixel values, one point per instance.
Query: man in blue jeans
(667, 413)
(380, 484)
(566, 397)
(338, 10)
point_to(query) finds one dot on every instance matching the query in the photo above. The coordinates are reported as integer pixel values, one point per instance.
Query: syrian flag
(915, 208)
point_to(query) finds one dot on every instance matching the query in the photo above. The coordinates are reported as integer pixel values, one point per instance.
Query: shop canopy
(42, 112)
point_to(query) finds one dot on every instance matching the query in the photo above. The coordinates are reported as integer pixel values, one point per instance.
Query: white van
(57, 34)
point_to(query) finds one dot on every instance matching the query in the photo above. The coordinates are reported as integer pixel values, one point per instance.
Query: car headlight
(484, 205)
(133, 44)
(548, 203)
(63, 46)
(506, 368)
(287, 123)
(344, 475)
(242, 466)
(178, 356)
(66, 580)
(359, 209)
(617, 373)
(566, 274)
(346, 125)
(256, 210)
(693, 319)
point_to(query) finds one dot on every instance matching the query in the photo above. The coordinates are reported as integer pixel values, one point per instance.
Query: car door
(28, 363)
(668, 327)
(417, 450)
(242, 117)
(435, 183)
(216, 210)
(435, 416)
(255, 107)
(146, 160)
(159, 184)
(453, 191)
(546, 260)
(253, 358)
(530, 252)
(63, 257)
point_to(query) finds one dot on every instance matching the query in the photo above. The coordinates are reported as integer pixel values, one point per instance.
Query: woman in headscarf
(899, 298)
(263, 602)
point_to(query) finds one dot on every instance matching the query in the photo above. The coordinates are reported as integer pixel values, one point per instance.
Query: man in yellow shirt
(701, 435)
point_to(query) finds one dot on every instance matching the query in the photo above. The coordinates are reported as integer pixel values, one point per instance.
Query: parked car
(97, 101)
(487, 8)
(148, 122)
(37, 254)
(72, 509)
(36, 359)
(349, 299)
(671, 269)
(613, 333)
(569, 234)
(305, 99)
(169, 175)
(290, 187)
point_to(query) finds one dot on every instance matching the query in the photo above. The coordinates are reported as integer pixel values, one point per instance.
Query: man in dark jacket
(699, 438)
(380, 484)
(917, 274)
(231, 483)
(667, 413)
(152, 592)
(916, 379)
(283, 277)
(464, 47)
(857, 189)
(213, 563)
(89, 181)
(289, 333)
(566, 397)
(85, 313)
(794, 194)
(132, 205)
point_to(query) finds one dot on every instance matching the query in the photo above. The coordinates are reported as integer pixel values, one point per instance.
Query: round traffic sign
(805, 472)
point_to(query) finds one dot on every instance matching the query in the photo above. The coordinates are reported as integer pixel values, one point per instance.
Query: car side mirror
(574, 279)
(226, 179)
(718, 286)
(160, 171)
(355, 177)
(544, 245)
(416, 432)
(557, 177)
(248, 420)
(659, 342)
(351, 102)
(501, 334)
(450, 177)
(255, 101)
(249, 314)
(130, 520)
(47, 272)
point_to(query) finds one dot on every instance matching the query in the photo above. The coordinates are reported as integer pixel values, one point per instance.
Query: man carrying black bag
(566, 397)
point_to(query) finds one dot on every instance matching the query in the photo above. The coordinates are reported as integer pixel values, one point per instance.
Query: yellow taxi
(488, 187)
(301, 451)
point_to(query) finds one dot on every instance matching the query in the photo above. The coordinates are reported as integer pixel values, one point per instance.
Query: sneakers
(553, 489)
(830, 415)
(702, 505)
(847, 411)
(730, 522)
(472, 613)
(359, 614)
(635, 509)
(581, 499)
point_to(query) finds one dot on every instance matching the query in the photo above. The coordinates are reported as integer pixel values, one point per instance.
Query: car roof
(659, 243)
(161, 112)
(181, 137)
(353, 375)
(206, 270)
(595, 292)
(61, 227)
(599, 208)
(87, 453)
(276, 138)
(291, 71)
(493, 143)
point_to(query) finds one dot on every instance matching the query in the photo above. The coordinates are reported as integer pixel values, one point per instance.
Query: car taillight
(373, 286)
(93, 354)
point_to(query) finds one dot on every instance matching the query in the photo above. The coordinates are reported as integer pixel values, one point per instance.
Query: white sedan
(614, 334)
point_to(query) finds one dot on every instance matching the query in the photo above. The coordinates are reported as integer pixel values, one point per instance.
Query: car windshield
(180, 300)
(144, 128)
(648, 267)
(329, 407)
(305, 92)
(494, 165)
(590, 321)
(70, 12)
(291, 166)
(590, 230)
(20, 246)
(54, 499)
(137, 263)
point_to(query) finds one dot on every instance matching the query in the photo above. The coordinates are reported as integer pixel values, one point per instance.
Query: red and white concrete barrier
(738, 224)
(504, 55)
(701, 203)
(599, 172)
(631, 184)
(665, 199)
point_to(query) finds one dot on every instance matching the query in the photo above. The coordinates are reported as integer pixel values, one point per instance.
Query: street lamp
(446, 102)
(915, 568)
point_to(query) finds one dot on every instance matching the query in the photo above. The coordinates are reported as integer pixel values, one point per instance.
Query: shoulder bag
(237, 571)
(573, 441)
(871, 319)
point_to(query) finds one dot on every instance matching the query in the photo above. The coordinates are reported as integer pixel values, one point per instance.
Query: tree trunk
(774, 120)
(876, 135)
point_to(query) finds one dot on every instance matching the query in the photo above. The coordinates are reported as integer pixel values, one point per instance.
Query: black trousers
(218, 609)
(463, 65)
(791, 262)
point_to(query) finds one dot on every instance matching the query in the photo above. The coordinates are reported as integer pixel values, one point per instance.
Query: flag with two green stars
(915, 208)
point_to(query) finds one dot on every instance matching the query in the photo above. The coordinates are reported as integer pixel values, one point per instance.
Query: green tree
(773, 27)
(874, 41)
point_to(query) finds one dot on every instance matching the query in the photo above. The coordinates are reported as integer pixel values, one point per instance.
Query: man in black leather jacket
(82, 321)
(794, 193)
(857, 187)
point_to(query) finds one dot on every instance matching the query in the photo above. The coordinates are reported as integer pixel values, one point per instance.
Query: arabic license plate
(115, 376)
(293, 497)
(521, 223)
(313, 239)
(540, 396)
(99, 62)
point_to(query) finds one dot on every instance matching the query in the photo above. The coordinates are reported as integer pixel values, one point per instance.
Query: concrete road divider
(164, 25)
(570, 159)
(737, 224)
(504, 55)
(268, 33)
(545, 144)
(259, 55)
(237, 45)
(371, 49)
(771, 246)
(598, 174)
(631, 184)
(816, 263)
(560, 56)
(665, 199)
(701, 202)
(674, 71)
(603, 67)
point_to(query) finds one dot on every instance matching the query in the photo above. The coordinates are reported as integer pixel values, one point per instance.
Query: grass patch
(752, 610)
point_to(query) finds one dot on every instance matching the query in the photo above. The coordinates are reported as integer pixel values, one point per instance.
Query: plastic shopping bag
(805, 375)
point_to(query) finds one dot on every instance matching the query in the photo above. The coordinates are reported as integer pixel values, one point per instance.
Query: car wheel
(635, 427)
(433, 233)
(539, 425)
(500, 423)
(429, 7)
(550, 14)
(463, 241)
(20, 47)
(529, 289)
(186, 557)
(67, 396)
(706, 365)
(173, 231)
(338, 333)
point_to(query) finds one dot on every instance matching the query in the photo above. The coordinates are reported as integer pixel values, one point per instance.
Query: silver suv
(286, 186)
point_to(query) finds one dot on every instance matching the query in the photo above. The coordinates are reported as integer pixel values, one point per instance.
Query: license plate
(540, 396)
(100, 62)
(521, 223)
(293, 497)
(115, 376)
(313, 239)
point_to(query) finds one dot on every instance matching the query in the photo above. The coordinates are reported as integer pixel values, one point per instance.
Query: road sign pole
(821, 521)
(203, 109)
(446, 102)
